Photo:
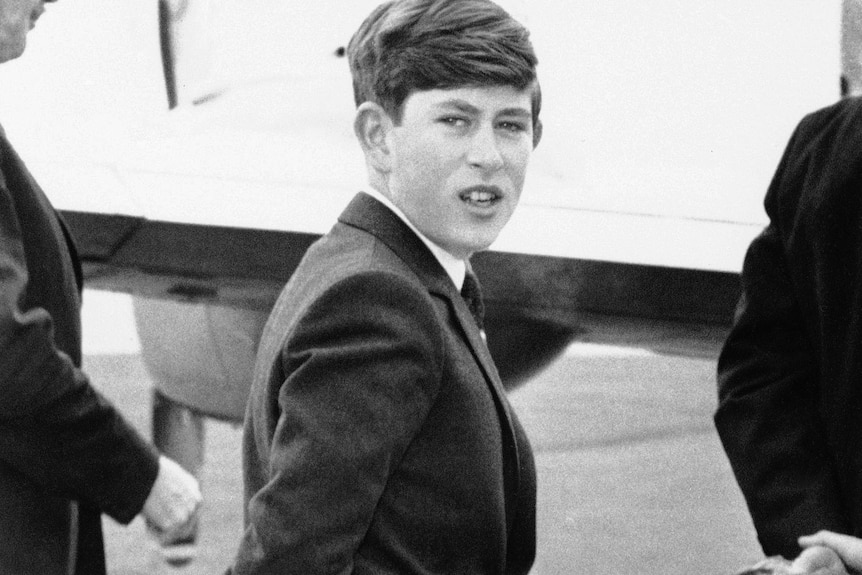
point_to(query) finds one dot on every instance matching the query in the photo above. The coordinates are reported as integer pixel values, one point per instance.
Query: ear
(372, 126)
(537, 133)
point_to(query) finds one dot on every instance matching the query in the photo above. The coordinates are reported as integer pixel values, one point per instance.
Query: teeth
(480, 196)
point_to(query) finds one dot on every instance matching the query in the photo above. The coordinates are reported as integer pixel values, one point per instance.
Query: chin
(479, 246)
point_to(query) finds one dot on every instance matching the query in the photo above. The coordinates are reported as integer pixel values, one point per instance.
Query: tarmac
(632, 477)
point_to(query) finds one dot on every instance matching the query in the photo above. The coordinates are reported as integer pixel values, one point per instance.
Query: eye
(454, 121)
(513, 126)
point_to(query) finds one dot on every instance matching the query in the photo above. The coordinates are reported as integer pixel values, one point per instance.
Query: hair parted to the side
(412, 45)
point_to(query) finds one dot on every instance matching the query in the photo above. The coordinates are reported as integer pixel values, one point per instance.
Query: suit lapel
(368, 214)
(512, 458)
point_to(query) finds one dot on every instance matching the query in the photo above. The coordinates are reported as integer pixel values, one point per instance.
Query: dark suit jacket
(790, 374)
(378, 436)
(59, 439)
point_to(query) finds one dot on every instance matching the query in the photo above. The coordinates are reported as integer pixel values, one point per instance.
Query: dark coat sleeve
(769, 371)
(54, 427)
(362, 370)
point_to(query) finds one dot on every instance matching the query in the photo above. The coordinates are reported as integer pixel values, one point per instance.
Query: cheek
(410, 157)
(517, 163)
(428, 166)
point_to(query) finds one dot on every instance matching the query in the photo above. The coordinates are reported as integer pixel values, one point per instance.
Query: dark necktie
(472, 294)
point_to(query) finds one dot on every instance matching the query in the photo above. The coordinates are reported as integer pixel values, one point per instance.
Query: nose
(484, 152)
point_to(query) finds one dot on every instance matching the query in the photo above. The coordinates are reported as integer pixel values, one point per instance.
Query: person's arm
(767, 380)
(55, 428)
(362, 370)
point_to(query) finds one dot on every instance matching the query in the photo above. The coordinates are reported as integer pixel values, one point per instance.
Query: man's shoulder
(346, 251)
(326, 301)
(345, 258)
(841, 119)
(820, 165)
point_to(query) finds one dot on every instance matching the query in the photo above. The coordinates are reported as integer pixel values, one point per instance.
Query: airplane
(198, 149)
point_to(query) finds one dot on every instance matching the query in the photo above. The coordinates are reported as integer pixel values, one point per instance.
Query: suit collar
(456, 268)
(370, 215)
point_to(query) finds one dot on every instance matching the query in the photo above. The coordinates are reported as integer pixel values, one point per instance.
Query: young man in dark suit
(66, 455)
(378, 435)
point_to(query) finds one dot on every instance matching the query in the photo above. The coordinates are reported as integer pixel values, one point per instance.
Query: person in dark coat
(378, 437)
(66, 454)
(790, 372)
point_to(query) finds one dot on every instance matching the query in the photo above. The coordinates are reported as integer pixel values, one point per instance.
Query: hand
(171, 508)
(818, 560)
(848, 548)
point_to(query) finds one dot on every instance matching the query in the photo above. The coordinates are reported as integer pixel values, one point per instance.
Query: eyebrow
(467, 107)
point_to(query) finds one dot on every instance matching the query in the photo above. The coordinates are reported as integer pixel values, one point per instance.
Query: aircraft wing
(663, 125)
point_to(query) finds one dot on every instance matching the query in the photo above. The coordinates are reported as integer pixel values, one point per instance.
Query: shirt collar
(455, 268)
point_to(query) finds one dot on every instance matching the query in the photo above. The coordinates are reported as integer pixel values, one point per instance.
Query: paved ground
(632, 479)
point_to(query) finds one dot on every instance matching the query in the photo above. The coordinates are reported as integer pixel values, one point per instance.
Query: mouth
(481, 196)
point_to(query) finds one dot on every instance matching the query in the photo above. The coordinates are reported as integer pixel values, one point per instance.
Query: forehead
(489, 100)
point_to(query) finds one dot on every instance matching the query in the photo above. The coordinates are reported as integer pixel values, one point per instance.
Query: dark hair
(409, 45)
